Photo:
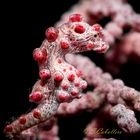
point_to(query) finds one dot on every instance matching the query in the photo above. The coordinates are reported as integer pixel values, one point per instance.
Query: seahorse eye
(97, 27)
(76, 18)
(95, 35)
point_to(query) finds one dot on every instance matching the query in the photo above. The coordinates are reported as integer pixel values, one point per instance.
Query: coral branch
(125, 118)
(114, 90)
(88, 101)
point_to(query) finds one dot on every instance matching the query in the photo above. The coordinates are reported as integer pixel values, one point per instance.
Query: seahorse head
(80, 36)
(77, 36)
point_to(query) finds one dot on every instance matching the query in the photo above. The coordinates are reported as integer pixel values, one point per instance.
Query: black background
(22, 30)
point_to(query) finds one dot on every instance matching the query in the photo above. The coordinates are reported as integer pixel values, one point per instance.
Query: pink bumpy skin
(125, 118)
(59, 81)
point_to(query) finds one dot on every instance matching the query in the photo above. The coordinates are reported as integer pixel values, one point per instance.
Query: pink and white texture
(122, 17)
(64, 76)
(59, 81)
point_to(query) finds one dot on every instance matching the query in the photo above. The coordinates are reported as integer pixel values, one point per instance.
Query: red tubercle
(64, 44)
(39, 55)
(75, 18)
(79, 73)
(71, 77)
(90, 45)
(77, 83)
(59, 61)
(62, 96)
(36, 114)
(64, 70)
(97, 27)
(74, 92)
(36, 96)
(79, 29)
(79, 96)
(8, 129)
(44, 74)
(65, 85)
(70, 68)
(22, 120)
(51, 34)
(58, 76)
